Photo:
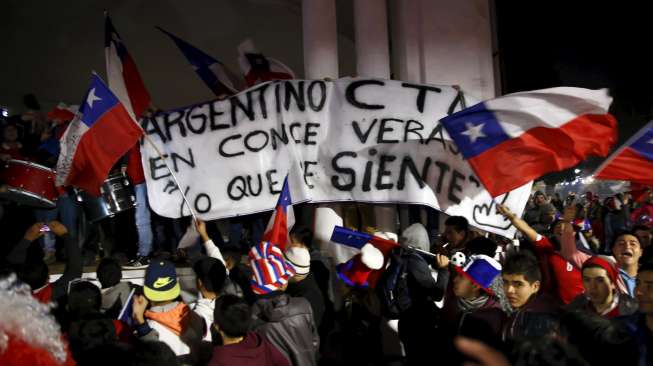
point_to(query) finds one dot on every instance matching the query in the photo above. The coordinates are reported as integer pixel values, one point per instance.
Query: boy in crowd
(565, 279)
(601, 296)
(237, 346)
(303, 283)
(210, 276)
(641, 323)
(534, 314)
(114, 292)
(286, 321)
(475, 309)
(456, 234)
(627, 250)
(168, 319)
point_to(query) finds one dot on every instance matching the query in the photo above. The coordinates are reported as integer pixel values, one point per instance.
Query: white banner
(365, 140)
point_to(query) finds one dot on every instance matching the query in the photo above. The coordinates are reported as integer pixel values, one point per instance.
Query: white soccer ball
(458, 259)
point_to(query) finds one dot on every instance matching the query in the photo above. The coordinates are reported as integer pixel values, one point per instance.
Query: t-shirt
(568, 279)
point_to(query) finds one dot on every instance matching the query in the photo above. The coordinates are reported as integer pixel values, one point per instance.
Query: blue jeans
(142, 217)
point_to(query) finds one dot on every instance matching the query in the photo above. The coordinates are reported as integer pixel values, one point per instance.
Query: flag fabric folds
(126, 82)
(258, 68)
(122, 74)
(357, 239)
(214, 73)
(100, 134)
(282, 220)
(519, 137)
(633, 162)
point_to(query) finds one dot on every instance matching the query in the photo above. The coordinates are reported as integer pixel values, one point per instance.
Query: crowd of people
(575, 289)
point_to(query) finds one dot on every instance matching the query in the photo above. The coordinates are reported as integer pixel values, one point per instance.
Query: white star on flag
(650, 141)
(474, 132)
(92, 98)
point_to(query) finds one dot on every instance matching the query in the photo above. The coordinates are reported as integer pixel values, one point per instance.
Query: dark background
(589, 45)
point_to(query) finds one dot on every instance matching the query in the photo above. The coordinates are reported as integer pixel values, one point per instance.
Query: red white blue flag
(214, 73)
(101, 133)
(633, 161)
(126, 82)
(519, 137)
(282, 220)
(258, 68)
(122, 74)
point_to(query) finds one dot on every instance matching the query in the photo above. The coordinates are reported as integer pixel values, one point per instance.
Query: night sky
(547, 44)
(541, 44)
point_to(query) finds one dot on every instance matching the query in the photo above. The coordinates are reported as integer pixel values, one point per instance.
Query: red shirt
(134, 166)
(566, 279)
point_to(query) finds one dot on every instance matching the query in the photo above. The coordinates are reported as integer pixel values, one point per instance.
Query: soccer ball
(458, 259)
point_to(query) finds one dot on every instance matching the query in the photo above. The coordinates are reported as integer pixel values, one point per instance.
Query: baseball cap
(160, 282)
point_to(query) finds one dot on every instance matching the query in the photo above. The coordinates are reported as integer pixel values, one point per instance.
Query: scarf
(466, 305)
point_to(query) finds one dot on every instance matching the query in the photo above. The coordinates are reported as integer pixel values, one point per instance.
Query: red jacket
(253, 350)
(566, 280)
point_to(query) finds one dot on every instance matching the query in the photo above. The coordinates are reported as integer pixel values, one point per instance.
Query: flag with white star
(633, 161)
(101, 133)
(282, 220)
(258, 68)
(214, 73)
(516, 138)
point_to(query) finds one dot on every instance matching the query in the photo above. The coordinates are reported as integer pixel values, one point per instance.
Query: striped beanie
(269, 268)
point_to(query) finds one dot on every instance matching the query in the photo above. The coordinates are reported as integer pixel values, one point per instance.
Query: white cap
(299, 258)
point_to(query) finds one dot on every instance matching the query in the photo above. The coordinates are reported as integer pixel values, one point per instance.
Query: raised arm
(18, 254)
(74, 265)
(518, 223)
(212, 250)
(568, 248)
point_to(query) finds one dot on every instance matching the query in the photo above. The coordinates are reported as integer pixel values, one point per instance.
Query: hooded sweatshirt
(415, 236)
(253, 350)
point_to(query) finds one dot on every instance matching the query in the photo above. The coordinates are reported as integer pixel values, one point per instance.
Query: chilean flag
(214, 73)
(122, 73)
(101, 133)
(127, 84)
(258, 68)
(519, 137)
(282, 221)
(633, 162)
(356, 239)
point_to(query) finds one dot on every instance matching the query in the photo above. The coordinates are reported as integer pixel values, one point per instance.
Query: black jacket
(308, 289)
(287, 322)
(538, 318)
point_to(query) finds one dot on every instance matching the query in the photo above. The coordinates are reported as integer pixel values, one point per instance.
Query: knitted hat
(270, 271)
(299, 258)
(606, 264)
(481, 270)
(160, 282)
(356, 270)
